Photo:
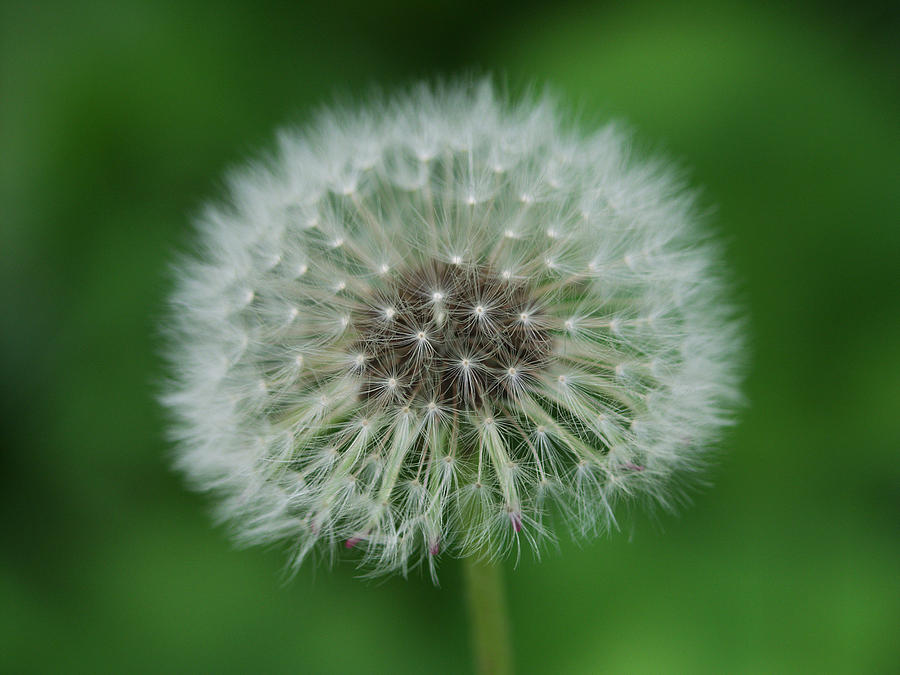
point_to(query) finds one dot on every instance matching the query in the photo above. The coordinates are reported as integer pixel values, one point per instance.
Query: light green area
(117, 120)
(488, 616)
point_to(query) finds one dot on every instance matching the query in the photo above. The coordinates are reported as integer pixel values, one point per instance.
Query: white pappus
(424, 325)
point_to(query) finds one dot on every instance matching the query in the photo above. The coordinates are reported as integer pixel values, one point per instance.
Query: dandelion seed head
(408, 336)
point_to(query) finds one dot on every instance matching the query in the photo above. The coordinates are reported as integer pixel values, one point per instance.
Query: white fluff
(268, 359)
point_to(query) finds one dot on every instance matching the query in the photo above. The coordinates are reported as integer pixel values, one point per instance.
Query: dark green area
(117, 120)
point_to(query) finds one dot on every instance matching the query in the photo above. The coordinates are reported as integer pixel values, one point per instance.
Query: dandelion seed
(565, 341)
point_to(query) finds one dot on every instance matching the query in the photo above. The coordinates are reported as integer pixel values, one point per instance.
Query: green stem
(488, 618)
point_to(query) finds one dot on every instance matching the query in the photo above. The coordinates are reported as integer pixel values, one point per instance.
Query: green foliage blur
(119, 118)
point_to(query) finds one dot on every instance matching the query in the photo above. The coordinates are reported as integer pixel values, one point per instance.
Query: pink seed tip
(352, 541)
(516, 520)
(634, 467)
(434, 549)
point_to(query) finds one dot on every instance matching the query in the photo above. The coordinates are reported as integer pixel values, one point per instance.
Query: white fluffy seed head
(552, 328)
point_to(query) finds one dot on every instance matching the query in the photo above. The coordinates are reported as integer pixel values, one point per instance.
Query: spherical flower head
(426, 325)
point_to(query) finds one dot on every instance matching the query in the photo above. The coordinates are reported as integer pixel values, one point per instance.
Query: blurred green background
(117, 120)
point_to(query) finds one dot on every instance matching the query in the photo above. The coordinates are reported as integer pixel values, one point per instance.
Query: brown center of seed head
(451, 335)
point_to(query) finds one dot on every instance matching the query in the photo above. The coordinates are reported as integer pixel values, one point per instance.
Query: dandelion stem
(488, 618)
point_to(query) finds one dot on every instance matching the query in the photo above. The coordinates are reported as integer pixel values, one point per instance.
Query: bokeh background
(117, 120)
